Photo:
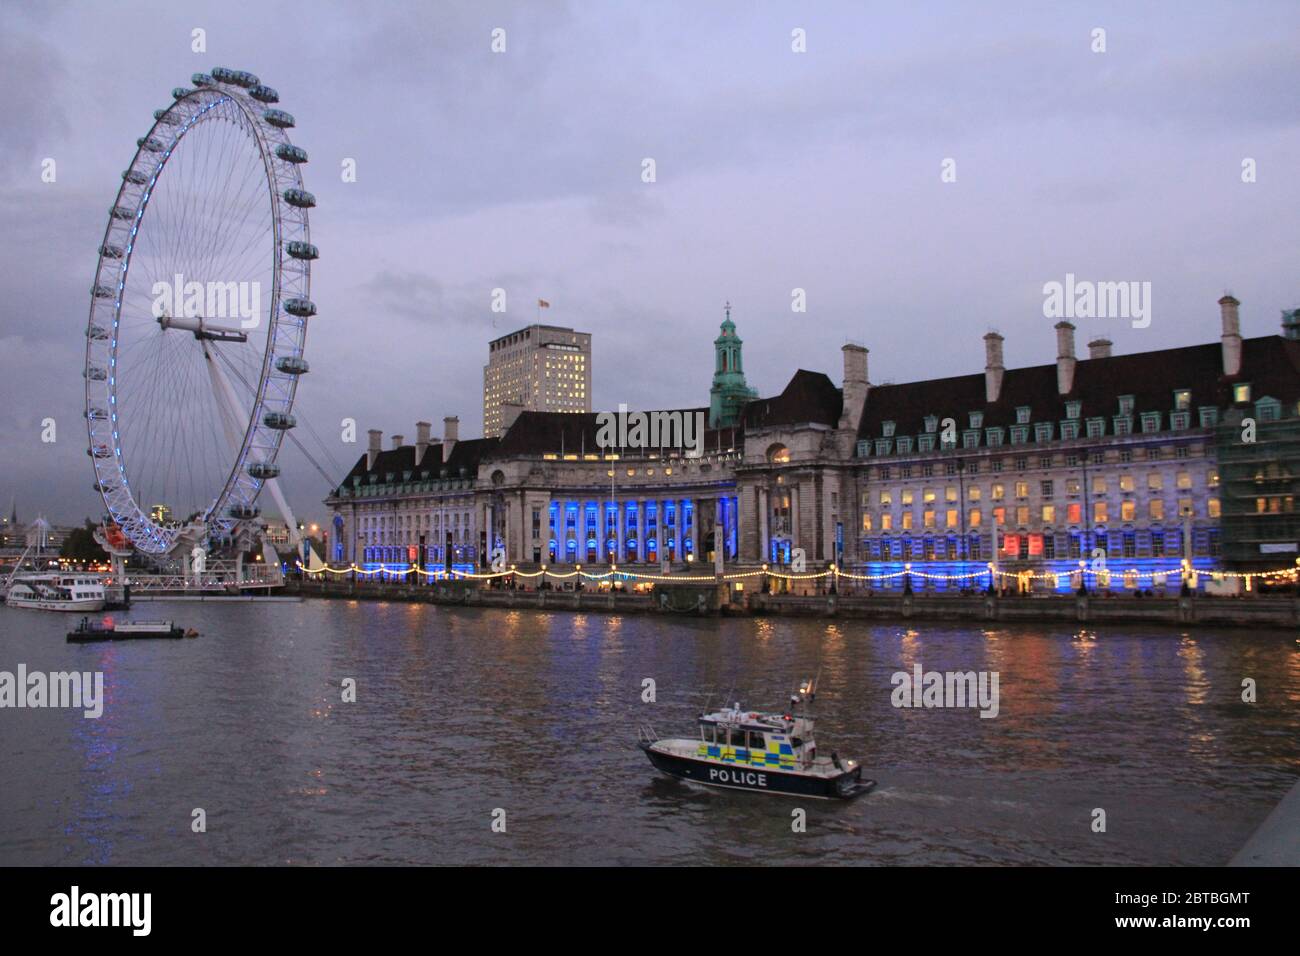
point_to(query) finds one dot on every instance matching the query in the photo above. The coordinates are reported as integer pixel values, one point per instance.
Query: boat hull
(84, 606)
(93, 636)
(712, 773)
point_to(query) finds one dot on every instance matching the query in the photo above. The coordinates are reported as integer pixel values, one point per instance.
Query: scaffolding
(1259, 484)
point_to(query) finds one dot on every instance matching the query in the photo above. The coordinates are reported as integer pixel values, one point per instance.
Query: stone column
(619, 522)
(764, 544)
(682, 536)
(640, 531)
(794, 516)
(719, 536)
(661, 535)
(695, 528)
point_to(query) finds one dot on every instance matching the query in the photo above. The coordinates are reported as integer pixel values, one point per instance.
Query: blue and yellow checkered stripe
(777, 754)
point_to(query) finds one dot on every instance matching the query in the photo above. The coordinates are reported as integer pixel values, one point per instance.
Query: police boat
(748, 750)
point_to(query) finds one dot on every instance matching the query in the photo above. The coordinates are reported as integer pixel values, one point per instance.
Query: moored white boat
(56, 591)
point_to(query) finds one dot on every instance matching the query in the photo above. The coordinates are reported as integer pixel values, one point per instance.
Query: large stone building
(543, 368)
(1112, 460)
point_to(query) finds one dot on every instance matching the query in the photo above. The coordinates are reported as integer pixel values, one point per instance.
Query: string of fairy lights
(1102, 576)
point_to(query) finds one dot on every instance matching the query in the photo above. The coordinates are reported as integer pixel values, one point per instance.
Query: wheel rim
(187, 385)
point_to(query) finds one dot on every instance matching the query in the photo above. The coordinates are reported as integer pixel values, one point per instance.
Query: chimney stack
(397, 441)
(1065, 360)
(856, 386)
(450, 435)
(1099, 348)
(993, 368)
(421, 441)
(509, 412)
(1231, 335)
(372, 452)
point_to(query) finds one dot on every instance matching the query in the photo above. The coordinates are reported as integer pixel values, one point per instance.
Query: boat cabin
(754, 739)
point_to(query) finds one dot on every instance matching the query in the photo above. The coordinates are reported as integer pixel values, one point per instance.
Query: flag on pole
(543, 304)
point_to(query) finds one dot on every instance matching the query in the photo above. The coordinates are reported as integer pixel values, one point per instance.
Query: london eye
(198, 316)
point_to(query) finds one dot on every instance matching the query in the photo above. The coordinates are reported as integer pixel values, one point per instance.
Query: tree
(80, 546)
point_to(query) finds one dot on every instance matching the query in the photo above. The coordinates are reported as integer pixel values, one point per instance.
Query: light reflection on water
(460, 711)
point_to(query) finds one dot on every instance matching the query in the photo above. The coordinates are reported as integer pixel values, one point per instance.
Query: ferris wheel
(198, 315)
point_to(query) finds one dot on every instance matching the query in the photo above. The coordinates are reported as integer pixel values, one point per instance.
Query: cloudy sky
(775, 170)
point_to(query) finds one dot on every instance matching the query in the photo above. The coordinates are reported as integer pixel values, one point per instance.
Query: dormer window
(1183, 399)
(931, 423)
(905, 444)
(1209, 416)
(1268, 409)
(1072, 410)
(887, 429)
(1022, 415)
(1126, 404)
(1096, 427)
(1241, 392)
(977, 420)
(1150, 422)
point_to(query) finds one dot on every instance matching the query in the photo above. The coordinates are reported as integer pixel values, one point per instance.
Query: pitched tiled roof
(546, 433)
(808, 398)
(465, 455)
(1270, 363)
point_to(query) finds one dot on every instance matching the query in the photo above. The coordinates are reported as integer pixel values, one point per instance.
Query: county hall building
(1131, 463)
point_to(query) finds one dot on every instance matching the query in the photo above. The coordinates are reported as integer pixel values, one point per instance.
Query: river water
(463, 713)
